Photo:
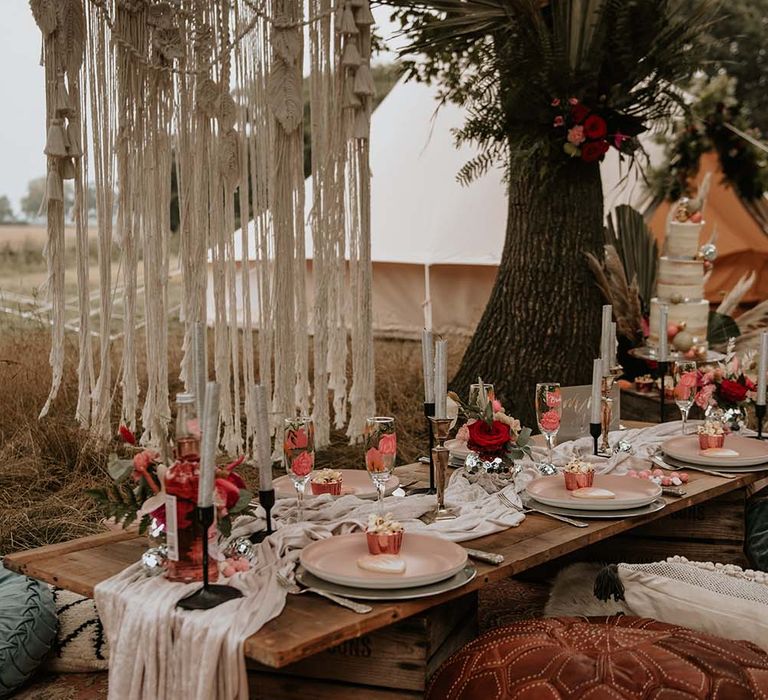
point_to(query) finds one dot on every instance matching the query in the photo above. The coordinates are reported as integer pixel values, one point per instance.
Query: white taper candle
(263, 444)
(762, 367)
(200, 366)
(597, 379)
(428, 365)
(605, 330)
(663, 337)
(209, 445)
(441, 379)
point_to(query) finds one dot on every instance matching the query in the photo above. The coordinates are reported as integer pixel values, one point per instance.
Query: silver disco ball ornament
(546, 469)
(153, 560)
(708, 252)
(622, 446)
(241, 548)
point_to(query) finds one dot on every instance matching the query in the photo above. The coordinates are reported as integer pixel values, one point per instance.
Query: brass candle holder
(440, 456)
(606, 413)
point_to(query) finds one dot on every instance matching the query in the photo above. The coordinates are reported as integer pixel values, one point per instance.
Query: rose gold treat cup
(575, 481)
(707, 442)
(384, 544)
(643, 386)
(332, 487)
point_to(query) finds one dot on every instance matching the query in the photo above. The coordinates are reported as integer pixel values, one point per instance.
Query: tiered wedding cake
(680, 279)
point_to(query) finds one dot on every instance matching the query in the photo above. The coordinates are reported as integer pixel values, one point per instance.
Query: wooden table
(310, 625)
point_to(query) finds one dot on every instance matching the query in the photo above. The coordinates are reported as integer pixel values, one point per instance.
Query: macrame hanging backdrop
(211, 92)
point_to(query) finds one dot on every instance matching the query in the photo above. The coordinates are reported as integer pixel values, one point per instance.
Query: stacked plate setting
(432, 565)
(631, 497)
(356, 482)
(749, 455)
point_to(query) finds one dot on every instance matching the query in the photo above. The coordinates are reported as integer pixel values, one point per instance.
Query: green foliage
(705, 129)
(506, 60)
(721, 328)
(636, 246)
(117, 501)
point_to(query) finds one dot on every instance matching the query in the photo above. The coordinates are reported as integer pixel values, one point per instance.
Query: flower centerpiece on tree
(725, 387)
(490, 432)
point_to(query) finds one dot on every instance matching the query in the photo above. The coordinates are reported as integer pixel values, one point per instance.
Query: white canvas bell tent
(435, 244)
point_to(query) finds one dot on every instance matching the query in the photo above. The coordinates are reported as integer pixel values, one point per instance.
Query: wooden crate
(394, 662)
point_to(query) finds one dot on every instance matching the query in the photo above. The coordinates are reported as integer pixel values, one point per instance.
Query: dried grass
(45, 466)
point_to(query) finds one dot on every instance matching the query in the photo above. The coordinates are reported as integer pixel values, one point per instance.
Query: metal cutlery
(487, 557)
(295, 589)
(659, 462)
(529, 509)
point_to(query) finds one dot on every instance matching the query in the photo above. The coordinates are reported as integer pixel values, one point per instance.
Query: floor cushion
(81, 645)
(618, 658)
(27, 628)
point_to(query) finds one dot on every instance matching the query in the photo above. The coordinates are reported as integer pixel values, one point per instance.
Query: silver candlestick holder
(606, 414)
(440, 456)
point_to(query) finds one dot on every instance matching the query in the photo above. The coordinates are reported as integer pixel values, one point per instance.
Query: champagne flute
(380, 453)
(299, 456)
(686, 379)
(549, 410)
(476, 394)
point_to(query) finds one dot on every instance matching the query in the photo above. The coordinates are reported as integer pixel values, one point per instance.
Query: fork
(527, 509)
(295, 589)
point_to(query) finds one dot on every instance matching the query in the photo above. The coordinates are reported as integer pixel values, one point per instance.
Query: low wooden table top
(309, 624)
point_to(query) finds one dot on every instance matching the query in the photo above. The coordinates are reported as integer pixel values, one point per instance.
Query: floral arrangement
(490, 432)
(381, 454)
(589, 133)
(725, 386)
(299, 447)
(137, 491)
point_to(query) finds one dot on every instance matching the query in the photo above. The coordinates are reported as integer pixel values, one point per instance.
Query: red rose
(579, 112)
(593, 150)
(732, 392)
(228, 492)
(751, 386)
(595, 127)
(487, 439)
(127, 435)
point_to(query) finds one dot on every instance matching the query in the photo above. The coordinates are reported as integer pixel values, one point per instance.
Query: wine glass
(686, 379)
(380, 452)
(299, 456)
(549, 410)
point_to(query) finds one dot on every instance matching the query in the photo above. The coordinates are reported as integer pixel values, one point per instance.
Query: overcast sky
(22, 117)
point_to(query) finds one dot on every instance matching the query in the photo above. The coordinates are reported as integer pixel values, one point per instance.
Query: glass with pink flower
(380, 452)
(549, 410)
(299, 456)
(686, 380)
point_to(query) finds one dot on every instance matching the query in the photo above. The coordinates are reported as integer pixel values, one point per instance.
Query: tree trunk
(542, 322)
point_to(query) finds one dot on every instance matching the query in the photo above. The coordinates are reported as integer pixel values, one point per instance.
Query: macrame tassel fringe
(74, 139)
(351, 100)
(56, 143)
(351, 57)
(348, 24)
(68, 171)
(54, 187)
(63, 103)
(364, 16)
(362, 127)
(364, 81)
(608, 584)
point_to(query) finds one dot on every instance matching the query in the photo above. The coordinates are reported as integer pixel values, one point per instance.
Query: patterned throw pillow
(80, 645)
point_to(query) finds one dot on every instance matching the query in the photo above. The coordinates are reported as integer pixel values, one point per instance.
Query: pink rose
(143, 460)
(388, 444)
(576, 135)
(559, 121)
(555, 102)
(496, 406)
(572, 101)
(704, 397)
(553, 399)
(303, 464)
(296, 440)
(462, 434)
(688, 380)
(550, 421)
(374, 461)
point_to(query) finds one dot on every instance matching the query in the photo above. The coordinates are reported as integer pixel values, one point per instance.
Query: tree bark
(542, 321)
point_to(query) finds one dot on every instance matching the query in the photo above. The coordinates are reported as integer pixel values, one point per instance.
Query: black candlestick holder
(663, 369)
(760, 413)
(211, 594)
(595, 430)
(266, 500)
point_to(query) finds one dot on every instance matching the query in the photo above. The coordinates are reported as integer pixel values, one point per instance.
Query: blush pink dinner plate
(428, 559)
(354, 481)
(686, 449)
(630, 493)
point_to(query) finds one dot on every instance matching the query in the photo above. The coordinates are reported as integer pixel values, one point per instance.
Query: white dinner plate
(685, 448)
(428, 559)
(652, 507)
(353, 481)
(629, 493)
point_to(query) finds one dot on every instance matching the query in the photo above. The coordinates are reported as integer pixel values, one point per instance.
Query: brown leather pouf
(606, 658)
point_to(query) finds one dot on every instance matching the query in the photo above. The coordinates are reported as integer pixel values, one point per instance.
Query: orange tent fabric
(742, 237)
